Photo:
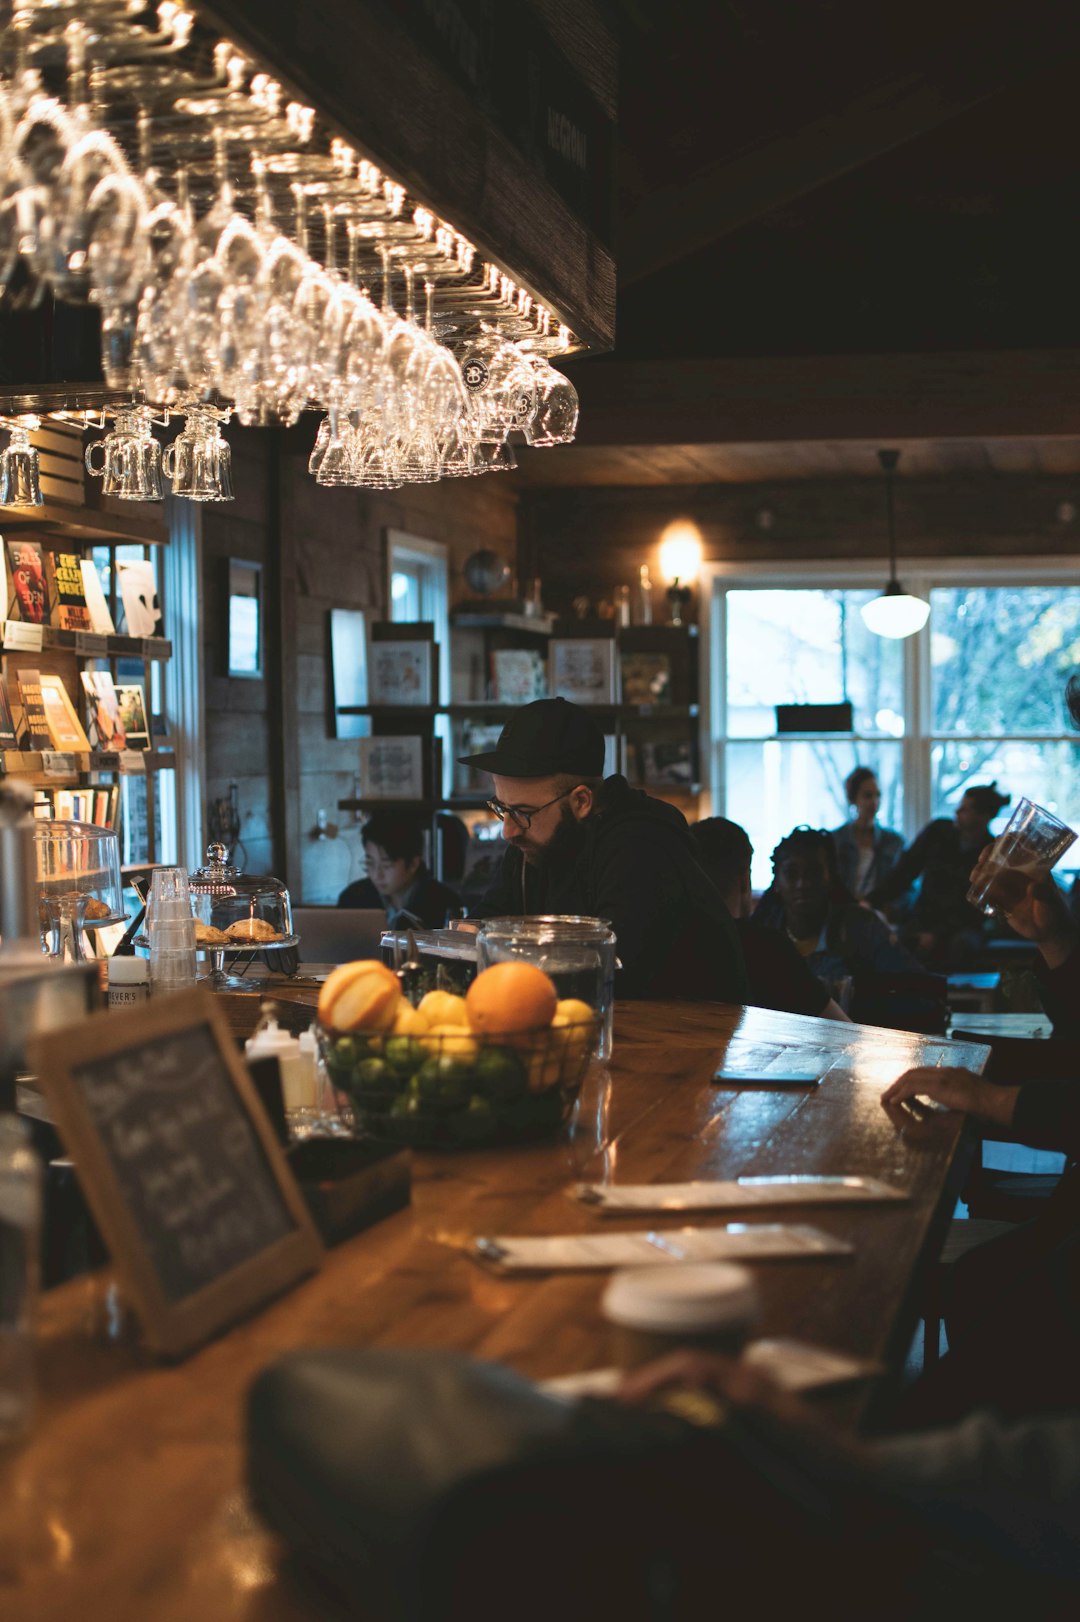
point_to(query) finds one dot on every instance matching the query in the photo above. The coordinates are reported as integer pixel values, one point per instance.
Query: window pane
(808, 647)
(775, 785)
(1000, 656)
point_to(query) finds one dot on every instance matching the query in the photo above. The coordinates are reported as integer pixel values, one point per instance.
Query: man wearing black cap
(580, 843)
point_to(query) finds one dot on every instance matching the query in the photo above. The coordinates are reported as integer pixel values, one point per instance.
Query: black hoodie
(636, 865)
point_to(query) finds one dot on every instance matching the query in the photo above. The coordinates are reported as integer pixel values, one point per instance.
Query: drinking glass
(1028, 846)
(130, 458)
(19, 470)
(199, 460)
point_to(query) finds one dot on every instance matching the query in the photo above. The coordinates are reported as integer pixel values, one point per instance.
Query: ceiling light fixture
(894, 614)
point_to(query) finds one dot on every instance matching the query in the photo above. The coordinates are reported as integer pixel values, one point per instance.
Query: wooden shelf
(479, 620)
(31, 763)
(84, 525)
(85, 644)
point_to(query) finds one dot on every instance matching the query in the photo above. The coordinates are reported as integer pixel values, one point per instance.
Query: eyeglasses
(521, 815)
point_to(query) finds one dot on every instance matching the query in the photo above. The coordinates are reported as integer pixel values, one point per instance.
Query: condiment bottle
(270, 1041)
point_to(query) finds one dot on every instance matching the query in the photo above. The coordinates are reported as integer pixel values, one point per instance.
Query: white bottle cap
(270, 1041)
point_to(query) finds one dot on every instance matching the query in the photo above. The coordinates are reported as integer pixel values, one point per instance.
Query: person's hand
(954, 1088)
(1041, 914)
(729, 1378)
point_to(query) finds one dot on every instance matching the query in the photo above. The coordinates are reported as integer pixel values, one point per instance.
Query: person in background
(942, 927)
(840, 940)
(865, 852)
(577, 842)
(398, 879)
(779, 977)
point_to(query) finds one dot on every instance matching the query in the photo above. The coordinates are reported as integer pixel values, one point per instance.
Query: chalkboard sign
(178, 1163)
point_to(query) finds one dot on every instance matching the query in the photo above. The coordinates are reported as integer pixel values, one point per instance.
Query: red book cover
(28, 579)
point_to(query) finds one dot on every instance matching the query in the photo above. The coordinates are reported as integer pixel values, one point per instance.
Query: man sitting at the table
(578, 842)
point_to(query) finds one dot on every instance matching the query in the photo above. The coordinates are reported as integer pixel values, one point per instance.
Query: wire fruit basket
(460, 1090)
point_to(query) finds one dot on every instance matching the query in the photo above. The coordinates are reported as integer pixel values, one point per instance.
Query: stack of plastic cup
(170, 925)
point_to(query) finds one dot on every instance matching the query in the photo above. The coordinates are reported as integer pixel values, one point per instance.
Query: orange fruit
(362, 996)
(510, 997)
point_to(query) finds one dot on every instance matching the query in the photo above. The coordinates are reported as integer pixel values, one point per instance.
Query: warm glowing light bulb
(680, 551)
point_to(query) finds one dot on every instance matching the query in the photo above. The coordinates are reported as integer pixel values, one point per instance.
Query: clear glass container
(578, 953)
(236, 913)
(447, 957)
(79, 860)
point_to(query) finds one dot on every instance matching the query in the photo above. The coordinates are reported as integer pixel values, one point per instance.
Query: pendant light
(894, 613)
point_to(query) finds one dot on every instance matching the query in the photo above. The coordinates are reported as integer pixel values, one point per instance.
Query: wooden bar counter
(128, 1502)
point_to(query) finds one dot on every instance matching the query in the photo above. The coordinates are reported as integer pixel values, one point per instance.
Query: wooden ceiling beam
(994, 394)
(688, 215)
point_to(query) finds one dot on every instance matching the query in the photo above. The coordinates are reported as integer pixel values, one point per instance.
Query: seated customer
(865, 852)
(840, 940)
(779, 977)
(942, 928)
(577, 842)
(398, 879)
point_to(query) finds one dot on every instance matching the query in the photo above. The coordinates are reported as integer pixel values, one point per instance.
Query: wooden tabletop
(127, 1501)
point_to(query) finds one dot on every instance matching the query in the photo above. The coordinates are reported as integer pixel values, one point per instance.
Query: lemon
(453, 1040)
(443, 1008)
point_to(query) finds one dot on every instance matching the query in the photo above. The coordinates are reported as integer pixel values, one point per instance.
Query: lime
(442, 1082)
(404, 1054)
(374, 1076)
(499, 1072)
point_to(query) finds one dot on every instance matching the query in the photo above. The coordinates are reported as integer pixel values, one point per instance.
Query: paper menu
(579, 1252)
(794, 1365)
(740, 1192)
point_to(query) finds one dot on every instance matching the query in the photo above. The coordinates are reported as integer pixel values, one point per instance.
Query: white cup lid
(691, 1298)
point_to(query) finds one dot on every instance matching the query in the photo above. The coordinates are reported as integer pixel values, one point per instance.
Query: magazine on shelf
(392, 768)
(138, 592)
(477, 738)
(28, 594)
(101, 620)
(646, 678)
(518, 675)
(65, 728)
(68, 609)
(132, 701)
(668, 761)
(583, 669)
(400, 673)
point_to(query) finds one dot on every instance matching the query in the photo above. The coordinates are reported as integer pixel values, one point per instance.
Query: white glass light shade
(894, 613)
(680, 551)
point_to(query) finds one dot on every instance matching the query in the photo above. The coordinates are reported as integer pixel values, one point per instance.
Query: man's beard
(563, 845)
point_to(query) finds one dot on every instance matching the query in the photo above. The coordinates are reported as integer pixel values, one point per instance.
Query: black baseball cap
(544, 739)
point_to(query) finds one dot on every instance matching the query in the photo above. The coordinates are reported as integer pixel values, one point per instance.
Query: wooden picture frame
(157, 1181)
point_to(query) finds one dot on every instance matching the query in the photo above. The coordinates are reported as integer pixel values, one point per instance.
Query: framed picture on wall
(400, 672)
(583, 669)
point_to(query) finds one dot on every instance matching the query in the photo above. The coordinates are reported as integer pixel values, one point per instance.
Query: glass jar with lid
(78, 875)
(577, 952)
(238, 911)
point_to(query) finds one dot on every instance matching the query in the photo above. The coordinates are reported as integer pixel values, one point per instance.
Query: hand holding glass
(1031, 843)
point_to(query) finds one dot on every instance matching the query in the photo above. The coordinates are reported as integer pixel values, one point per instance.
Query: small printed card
(744, 1191)
(576, 1252)
(771, 1064)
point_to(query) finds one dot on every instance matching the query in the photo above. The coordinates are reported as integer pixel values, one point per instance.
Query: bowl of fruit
(503, 1064)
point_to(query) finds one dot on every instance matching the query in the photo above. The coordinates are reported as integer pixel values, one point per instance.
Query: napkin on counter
(743, 1191)
(737, 1241)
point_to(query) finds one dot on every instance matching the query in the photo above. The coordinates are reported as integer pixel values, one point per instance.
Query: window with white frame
(976, 696)
(420, 590)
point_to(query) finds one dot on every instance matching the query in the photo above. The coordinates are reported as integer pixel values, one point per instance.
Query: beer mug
(199, 460)
(19, 468)
(130, 458)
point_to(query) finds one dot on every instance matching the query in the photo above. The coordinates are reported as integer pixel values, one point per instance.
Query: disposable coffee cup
(707, 1306)
(1031, 843)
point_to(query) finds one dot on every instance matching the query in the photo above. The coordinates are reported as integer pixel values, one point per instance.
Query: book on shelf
(8, 739)
(105, 726)
(518, 675)
(131, 698)
(400, 673)
(646, 678)
(65, 729)
(28, 594)
(138, 593)
(101, 620)
(96, 805)
(68, 609)
(583, 669)
(392, 768)
(35, 720)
